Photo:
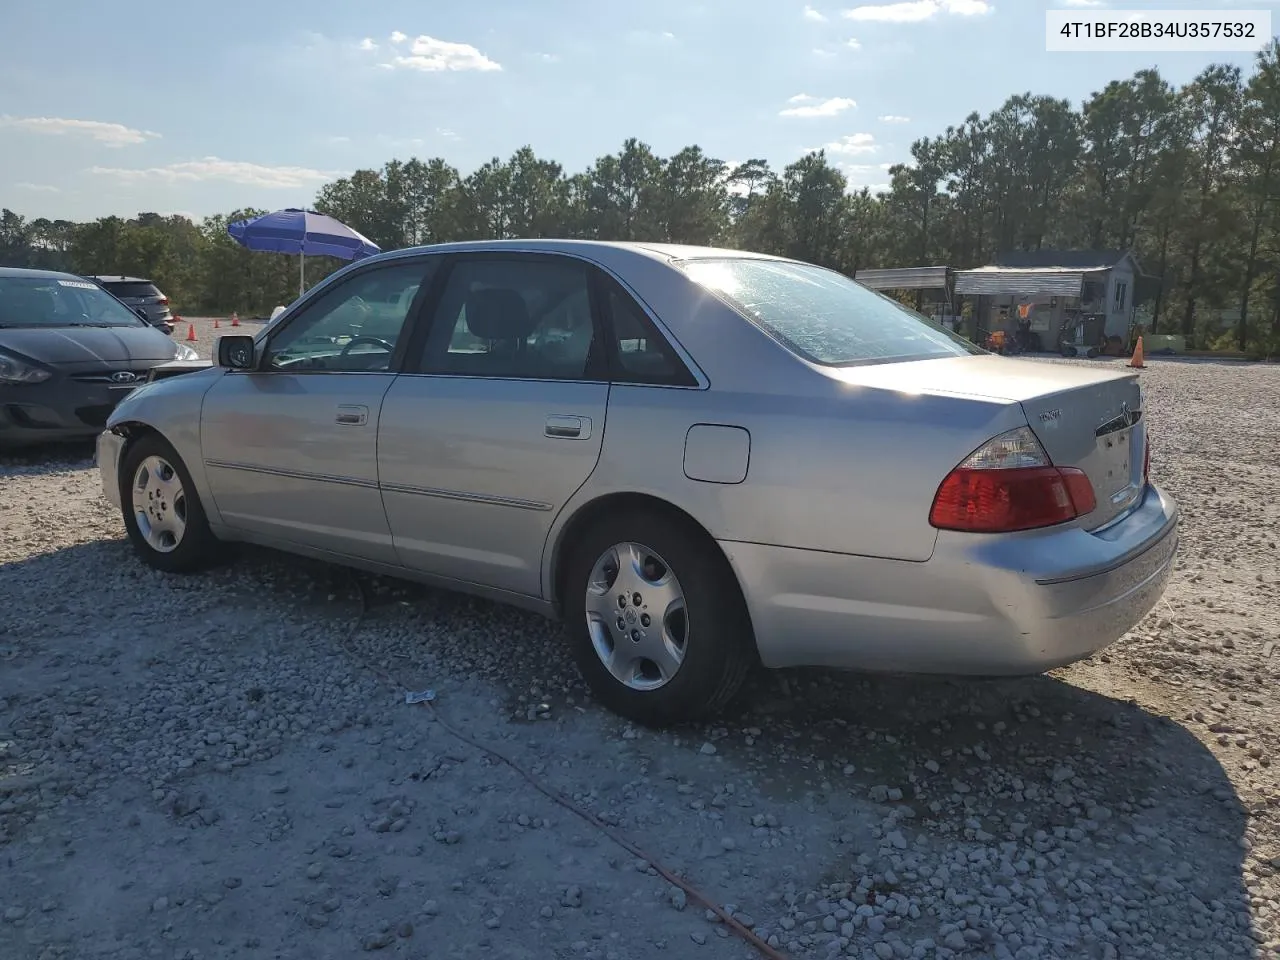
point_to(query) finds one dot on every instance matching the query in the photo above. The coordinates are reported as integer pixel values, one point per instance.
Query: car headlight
(14, 370)
(185, 352)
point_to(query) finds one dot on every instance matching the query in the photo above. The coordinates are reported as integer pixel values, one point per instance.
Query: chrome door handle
(354, 415)
(568, 428)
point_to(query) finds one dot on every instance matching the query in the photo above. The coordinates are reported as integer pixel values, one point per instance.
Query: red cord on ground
(696, 895)
(691, 891)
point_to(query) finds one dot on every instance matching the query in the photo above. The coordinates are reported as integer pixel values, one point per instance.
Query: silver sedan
(700, 459)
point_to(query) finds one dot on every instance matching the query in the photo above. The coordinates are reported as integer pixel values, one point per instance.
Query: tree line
(1187, 177)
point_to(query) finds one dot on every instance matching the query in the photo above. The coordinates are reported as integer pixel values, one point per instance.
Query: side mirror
(236, 352)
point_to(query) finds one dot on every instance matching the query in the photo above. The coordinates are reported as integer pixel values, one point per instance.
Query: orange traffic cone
(235, 319)
(1136, 359)
(216, 325)
(191, 333)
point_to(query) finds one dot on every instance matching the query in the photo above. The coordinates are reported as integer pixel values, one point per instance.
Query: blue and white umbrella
(302, 232)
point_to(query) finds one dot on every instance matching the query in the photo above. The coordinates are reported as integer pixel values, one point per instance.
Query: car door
(290, 448)
(496, 421)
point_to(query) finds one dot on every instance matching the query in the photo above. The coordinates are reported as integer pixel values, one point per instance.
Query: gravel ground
(224, 765)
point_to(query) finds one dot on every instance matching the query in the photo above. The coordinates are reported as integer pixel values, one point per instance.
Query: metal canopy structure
(1026, 281)
(905, 278)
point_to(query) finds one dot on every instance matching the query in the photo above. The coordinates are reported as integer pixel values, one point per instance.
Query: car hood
(58, 346)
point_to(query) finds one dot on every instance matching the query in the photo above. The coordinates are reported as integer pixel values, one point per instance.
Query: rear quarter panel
(172, 408)
(853, 473)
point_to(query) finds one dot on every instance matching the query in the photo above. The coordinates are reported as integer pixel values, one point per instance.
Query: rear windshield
(824, 316)
(54, 302)
(131, 289)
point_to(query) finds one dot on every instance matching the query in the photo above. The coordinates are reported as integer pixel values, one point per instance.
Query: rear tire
(645, 582)
(162, 512)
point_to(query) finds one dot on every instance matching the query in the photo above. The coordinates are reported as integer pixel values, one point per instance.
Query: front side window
(55, 302)
(823, 316)
(353, 327)
(526, 318)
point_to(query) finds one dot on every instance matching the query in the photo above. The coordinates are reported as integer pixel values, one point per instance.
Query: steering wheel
(377, 341)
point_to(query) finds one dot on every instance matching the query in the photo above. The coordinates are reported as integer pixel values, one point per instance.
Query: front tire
(656, 621)
(163, 516)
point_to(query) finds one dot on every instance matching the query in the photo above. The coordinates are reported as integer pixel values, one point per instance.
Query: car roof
(102, 278)
(33, 274)
(655, 250)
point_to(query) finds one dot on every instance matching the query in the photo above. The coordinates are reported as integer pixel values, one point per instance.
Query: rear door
(290, 449)
(497, 420)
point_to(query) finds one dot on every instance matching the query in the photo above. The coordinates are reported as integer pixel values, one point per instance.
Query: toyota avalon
(698, 458)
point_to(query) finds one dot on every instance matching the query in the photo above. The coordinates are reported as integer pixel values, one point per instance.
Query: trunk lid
(1085, 417)
(1099, 428)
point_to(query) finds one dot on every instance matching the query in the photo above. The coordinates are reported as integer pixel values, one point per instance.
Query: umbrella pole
(302, 273)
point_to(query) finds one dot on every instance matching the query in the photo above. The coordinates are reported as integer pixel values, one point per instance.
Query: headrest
(498, 315)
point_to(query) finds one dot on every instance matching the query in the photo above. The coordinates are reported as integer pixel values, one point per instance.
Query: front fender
(171, 407)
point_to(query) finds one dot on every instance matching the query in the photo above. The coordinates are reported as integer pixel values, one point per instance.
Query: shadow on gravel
(1120, 823)
(51, 458)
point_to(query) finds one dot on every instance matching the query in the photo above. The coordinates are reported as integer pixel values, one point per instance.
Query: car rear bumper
(107, 458)
(59, 410)
(988, 606)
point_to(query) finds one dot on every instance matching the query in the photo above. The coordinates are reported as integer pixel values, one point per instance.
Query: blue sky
(113, 108)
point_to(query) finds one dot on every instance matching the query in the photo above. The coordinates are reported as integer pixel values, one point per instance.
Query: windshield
(822, 315)
(55, 302)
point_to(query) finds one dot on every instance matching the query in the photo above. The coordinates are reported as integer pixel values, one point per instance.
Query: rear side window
(123, 290)
(641, 354)
(823, 316)
(523, 318)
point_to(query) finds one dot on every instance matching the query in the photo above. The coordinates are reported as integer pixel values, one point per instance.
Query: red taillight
(1001, 501)
(164, 301)
(1009, 484)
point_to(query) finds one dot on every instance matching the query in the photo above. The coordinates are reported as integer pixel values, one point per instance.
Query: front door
(290, 448)
(497, 423)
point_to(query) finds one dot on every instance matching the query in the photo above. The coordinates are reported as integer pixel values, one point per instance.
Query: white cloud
(432, 56)
(813, 15)
(893, 118)
(917, 11)
(650, 36)
(549, 57)
(398, 37)
(230, 171)
(853, 43)
(824, 54)
(1084, 3)
(111, 134)
(856, 144)
(800, 98)
(37, 187)
(447, 134)
(368, 44)
(822, 108)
